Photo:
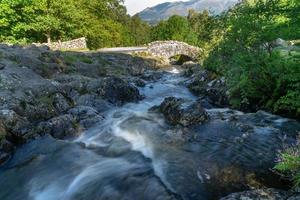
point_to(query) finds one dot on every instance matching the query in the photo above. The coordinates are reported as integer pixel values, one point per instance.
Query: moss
(86, 59)
(46, 100)
(102, 61)
(69, 59)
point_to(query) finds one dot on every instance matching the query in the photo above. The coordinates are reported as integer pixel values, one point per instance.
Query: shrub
(289, 164)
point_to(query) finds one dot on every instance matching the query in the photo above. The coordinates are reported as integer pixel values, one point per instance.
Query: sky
(135, 6)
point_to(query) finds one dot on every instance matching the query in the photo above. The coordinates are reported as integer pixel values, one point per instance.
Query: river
(135, 155)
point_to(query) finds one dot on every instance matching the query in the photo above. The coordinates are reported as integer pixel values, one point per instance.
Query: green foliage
(175, 28)
(86, 59)
(259, 74)
(140, 31)
(105, 23)
(199, 29)
(289, 164)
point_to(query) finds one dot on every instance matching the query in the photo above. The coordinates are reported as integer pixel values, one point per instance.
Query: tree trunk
(48, 38)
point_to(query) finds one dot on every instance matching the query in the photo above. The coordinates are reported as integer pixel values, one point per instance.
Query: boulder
(87, 116)
(2, 66)
(262, 194)
(176, 111)
(117, 91)
(61, 127)
(18, 127)
(6, 150)
(204, 84)
(94, 101)
(60, 103)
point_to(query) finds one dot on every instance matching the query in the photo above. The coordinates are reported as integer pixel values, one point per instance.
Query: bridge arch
(170, 49)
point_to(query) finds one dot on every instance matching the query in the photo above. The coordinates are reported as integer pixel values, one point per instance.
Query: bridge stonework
(169, 49)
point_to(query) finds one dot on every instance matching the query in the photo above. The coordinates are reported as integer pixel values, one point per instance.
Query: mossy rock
(69, 59)
(85, 59)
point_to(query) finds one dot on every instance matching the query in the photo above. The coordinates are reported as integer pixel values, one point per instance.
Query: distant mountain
(165, 10)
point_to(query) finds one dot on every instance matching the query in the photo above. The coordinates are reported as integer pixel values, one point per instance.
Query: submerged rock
(176, 112)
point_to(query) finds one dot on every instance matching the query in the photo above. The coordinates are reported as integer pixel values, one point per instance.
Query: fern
(289, 164)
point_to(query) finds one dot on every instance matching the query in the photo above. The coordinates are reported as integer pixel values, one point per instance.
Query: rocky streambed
(113, 126)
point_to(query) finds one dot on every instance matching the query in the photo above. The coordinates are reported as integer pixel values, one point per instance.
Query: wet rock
(263, 194)
(2, 66)
(2, 130)
(151, 76)
(5, 147)
(76, 82)
(60, 127)
(86, 116)
(139, 83)
(118, 91)
(94, 101)
(18, 127)
(40, 110)
(177, 112)
(6, 150)
(205, 84)
(294, 197)
(60, 103)
(205, 102)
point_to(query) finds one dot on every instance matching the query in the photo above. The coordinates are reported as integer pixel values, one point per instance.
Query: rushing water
(136, 155)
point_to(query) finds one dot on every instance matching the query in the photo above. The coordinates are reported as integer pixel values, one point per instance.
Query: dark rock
(294, 197)
(6, 150)
(139, 83)
(18, 127)
(151, 76)
(2, 66)
(118, 91)
(205, 102)
(60, 103)
(204, 84)
(86, 116)
(61, 127)
(94, 101)
(176, 112)
(263, 194)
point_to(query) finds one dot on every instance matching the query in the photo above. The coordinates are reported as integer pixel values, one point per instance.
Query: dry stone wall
(79, 43)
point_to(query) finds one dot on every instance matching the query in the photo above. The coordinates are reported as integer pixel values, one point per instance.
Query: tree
(260, 75)
(104, 22)
(175, 28)
(140, 31)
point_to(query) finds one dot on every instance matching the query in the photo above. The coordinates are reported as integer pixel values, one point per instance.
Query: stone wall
(79, 43)
(172, 48)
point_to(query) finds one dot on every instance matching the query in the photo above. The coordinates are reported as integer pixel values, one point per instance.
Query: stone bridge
(169, 49)
(165, 49)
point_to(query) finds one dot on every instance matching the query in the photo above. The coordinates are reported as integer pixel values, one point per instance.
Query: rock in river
(176, 111)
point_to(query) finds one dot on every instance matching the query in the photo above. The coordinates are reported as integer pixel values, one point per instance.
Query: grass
(85, 59)
(75, 50)
(47, 100)
(289, 164)
(69, 59)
